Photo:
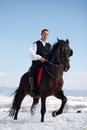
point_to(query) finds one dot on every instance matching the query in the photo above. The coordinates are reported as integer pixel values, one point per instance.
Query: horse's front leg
(64, 100)
(43, 108)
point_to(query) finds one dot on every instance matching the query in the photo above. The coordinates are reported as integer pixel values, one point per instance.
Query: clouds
(9, 80)
(3, 74)
(75, 80)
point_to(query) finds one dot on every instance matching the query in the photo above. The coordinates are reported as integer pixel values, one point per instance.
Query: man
(39, 54)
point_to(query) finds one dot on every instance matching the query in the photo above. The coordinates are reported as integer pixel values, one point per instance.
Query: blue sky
(21, 22)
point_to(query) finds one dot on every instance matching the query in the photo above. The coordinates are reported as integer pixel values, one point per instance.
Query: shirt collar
(43, 42)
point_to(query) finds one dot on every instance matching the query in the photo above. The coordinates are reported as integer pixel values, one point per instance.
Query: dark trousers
(33, 71)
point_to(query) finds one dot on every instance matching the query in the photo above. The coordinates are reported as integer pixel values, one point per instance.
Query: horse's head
(60, 54)
(63, 53)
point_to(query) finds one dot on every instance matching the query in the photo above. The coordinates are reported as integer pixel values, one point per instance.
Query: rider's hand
(43, 59)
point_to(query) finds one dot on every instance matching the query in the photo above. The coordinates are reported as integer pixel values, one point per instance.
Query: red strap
(39, 76)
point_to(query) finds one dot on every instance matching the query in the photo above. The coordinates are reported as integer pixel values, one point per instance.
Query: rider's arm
(33, 54)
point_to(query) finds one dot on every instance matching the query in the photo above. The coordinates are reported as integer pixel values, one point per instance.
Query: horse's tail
(20, 93)
(15, 103)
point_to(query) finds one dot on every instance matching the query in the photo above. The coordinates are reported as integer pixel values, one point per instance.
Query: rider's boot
(31, 81)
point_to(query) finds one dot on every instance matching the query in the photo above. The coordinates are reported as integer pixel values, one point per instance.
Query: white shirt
(33, 50)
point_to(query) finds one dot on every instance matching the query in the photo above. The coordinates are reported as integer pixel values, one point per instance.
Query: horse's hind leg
(34, 104)
(64, 100)
(16, 113)
(18, 106)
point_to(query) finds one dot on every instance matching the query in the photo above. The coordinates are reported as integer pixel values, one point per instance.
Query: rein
(54, 65)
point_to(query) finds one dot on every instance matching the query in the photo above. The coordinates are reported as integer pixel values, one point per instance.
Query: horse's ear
(67, 41)
(58, 39)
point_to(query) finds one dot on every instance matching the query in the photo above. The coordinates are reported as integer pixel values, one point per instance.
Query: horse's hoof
(42, 121)
(15, 118)
(54, 114)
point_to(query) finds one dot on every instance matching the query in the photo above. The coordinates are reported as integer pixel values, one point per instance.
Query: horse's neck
(54, 60)
(56, 71)
(60, 72)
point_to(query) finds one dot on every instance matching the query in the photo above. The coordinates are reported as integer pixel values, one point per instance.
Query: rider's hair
(44, 30)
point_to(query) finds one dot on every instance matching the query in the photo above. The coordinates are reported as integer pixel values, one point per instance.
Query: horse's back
(24, 81)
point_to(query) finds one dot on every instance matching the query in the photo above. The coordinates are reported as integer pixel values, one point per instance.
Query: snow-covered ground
(69, 120)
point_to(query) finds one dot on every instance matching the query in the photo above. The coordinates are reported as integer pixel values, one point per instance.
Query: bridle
(53, 65)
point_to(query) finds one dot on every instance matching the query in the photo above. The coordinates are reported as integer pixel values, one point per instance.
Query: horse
(51, 83)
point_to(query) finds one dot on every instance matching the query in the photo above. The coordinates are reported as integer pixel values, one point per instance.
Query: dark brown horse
(51, 82)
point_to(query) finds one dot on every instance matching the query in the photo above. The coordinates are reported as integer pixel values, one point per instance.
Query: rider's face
(44, 35)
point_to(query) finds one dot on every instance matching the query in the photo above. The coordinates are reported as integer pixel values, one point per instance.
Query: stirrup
(32, 94)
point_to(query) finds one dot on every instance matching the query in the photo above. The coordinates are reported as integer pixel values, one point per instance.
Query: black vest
(43, 50)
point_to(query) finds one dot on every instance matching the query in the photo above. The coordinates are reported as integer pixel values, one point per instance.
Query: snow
(69, 120)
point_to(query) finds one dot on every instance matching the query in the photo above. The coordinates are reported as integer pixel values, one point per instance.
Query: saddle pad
(39, 76)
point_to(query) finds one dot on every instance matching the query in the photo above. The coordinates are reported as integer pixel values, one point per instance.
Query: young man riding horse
(52, 79)
(39, 54)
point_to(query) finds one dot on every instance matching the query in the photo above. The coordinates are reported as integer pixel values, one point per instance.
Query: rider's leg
(31, 81)
(32, 74)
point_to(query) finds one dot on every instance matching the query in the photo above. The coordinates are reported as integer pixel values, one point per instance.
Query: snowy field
(69, 120)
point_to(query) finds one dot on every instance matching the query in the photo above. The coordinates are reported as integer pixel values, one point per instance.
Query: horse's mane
(53, 50)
